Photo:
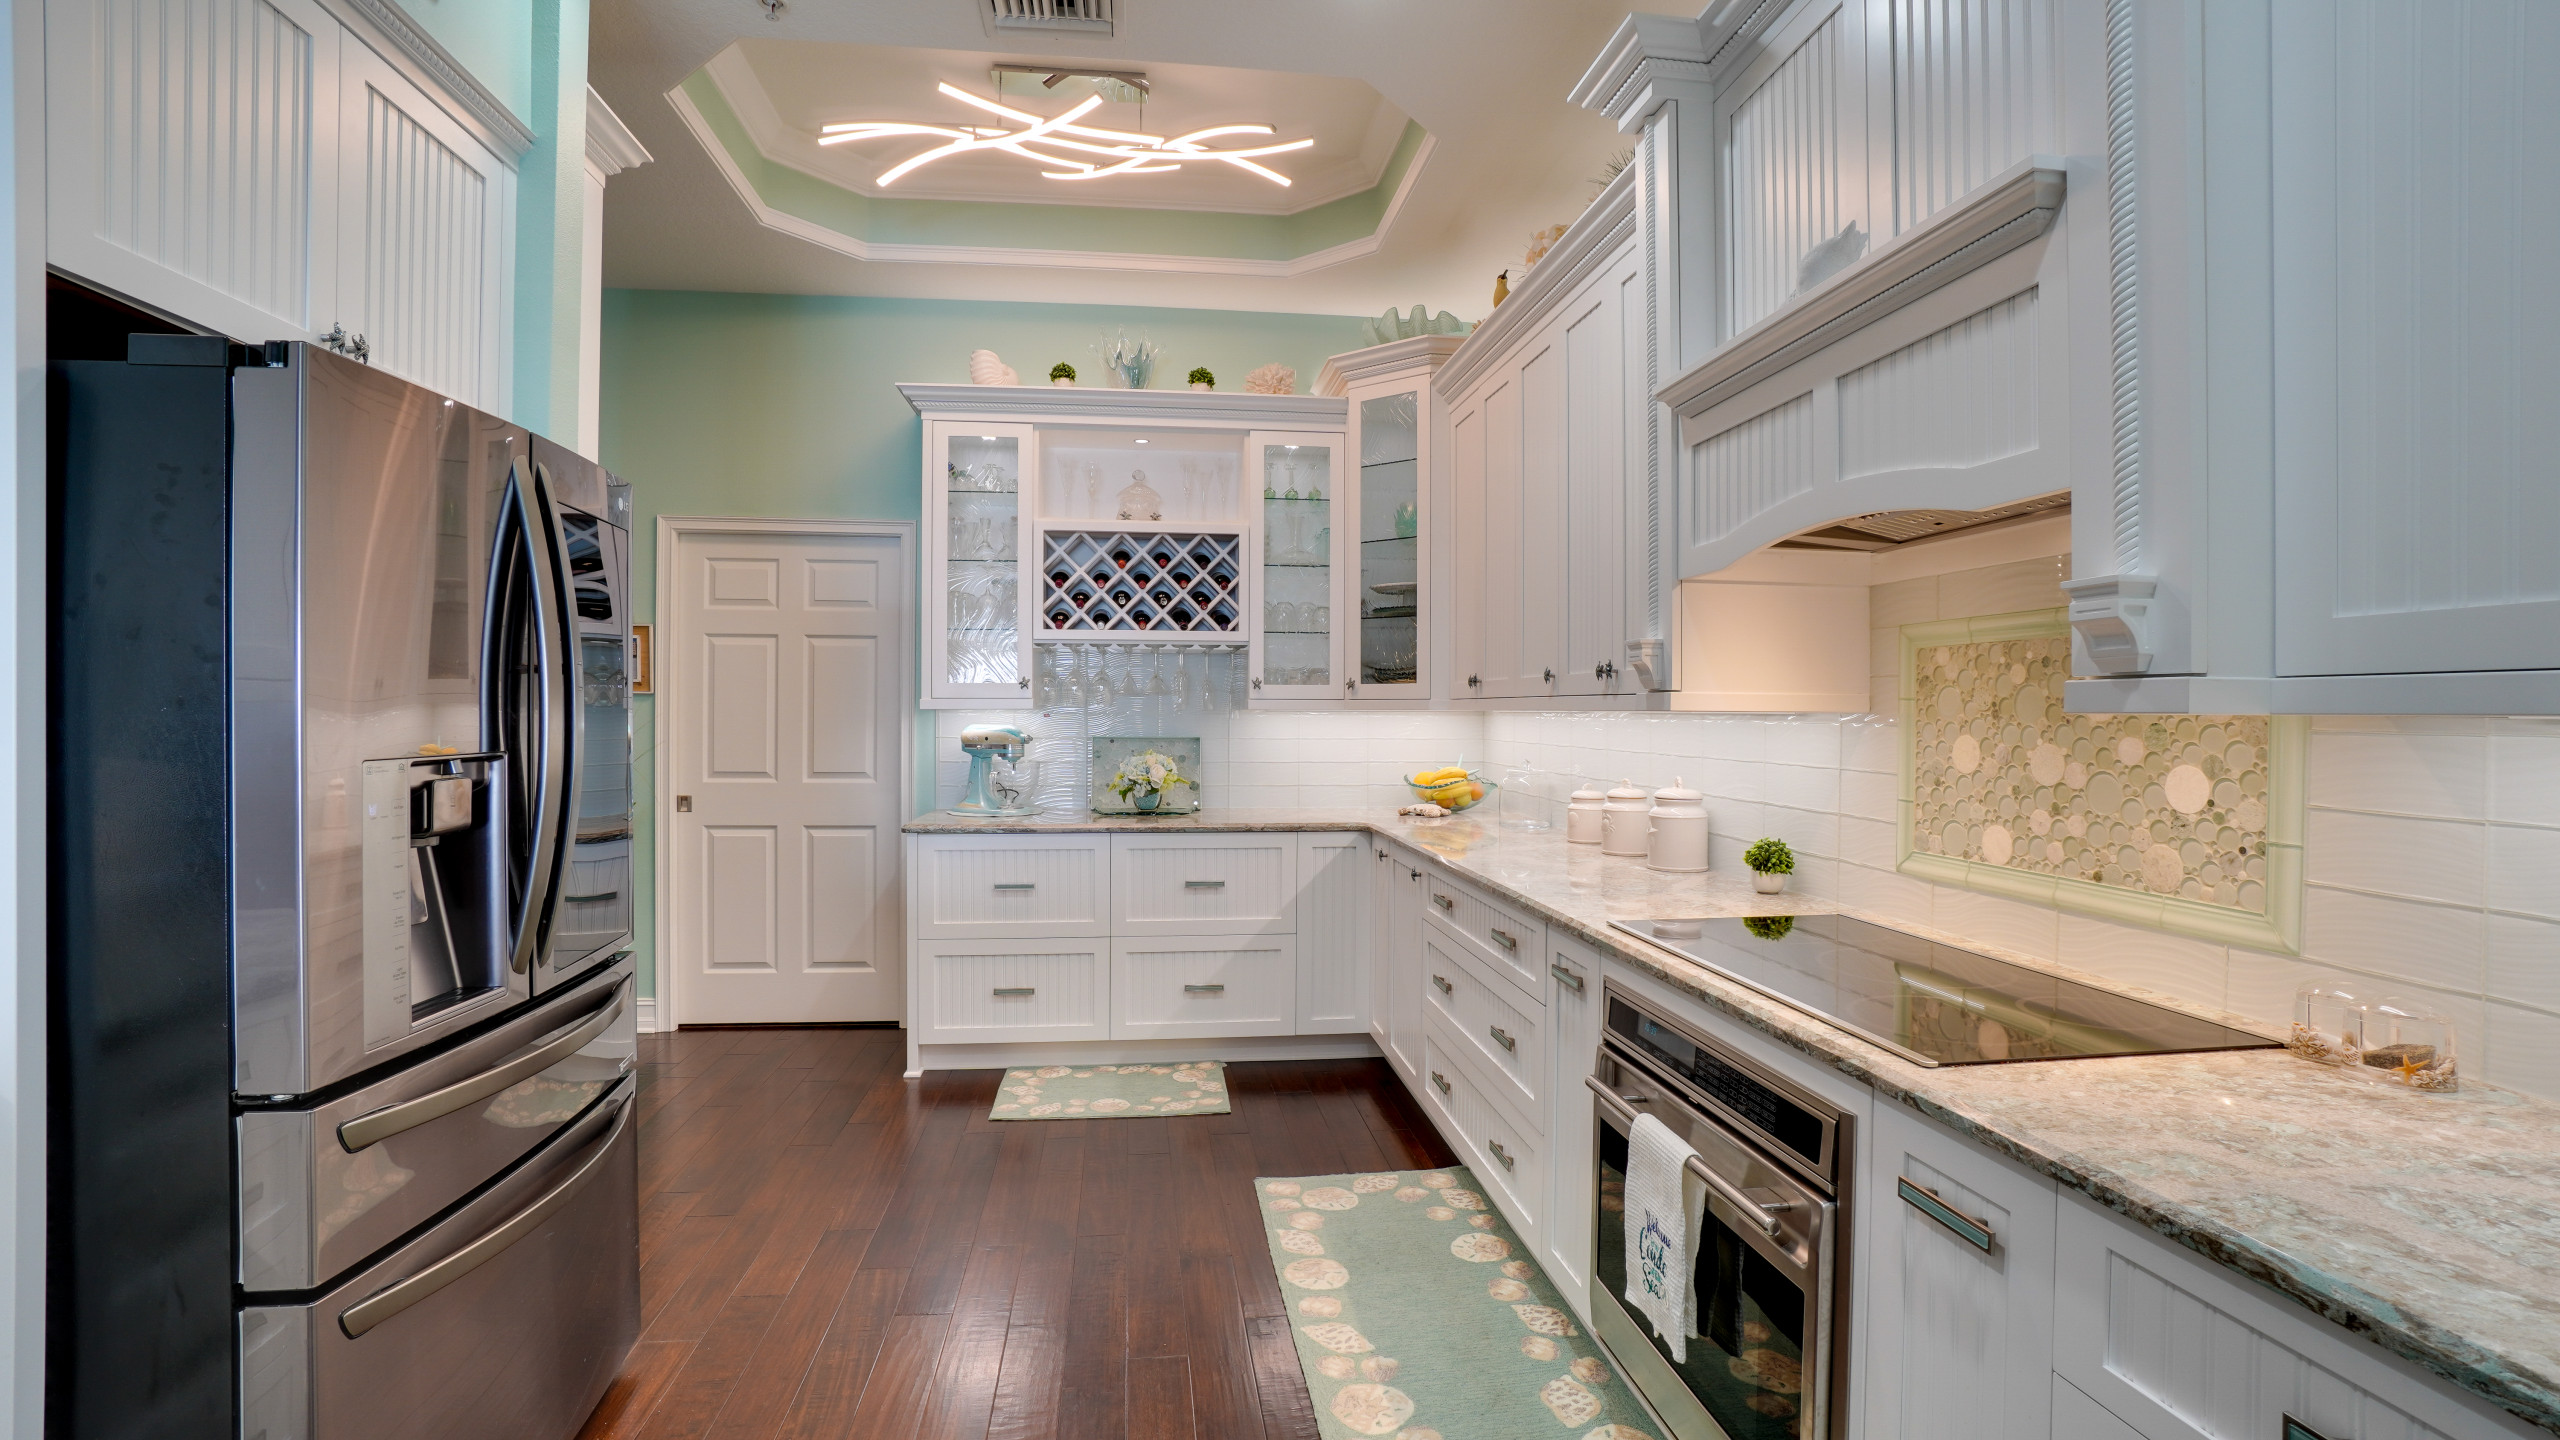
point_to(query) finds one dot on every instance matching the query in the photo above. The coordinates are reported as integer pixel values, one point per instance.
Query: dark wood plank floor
(829, 1250)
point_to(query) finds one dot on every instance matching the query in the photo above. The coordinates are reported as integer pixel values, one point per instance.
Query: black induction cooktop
(1930, 1003)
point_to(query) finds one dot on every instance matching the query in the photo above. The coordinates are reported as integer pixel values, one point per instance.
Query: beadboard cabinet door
(1333, 932)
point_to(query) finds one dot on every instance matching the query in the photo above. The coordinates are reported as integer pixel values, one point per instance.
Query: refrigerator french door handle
(375, 1126)
(382, 1304)
(541, 519)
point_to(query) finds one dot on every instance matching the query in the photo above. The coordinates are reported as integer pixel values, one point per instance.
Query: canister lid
(1677, 793)
(1589, 794)
(1627, 791)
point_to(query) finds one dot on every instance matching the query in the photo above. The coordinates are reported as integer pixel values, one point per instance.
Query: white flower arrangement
(1149, 772)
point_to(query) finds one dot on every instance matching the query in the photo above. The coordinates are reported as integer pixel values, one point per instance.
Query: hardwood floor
(827, 1249)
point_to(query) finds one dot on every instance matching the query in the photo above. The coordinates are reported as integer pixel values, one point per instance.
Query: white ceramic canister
(1582, 815)
(1677, 839)
(1624, 821)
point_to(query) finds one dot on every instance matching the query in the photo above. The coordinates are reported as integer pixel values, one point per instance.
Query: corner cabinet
(1062, 516)
(259, 168)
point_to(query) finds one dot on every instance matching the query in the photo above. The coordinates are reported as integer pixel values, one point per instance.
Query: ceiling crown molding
(611, 147)
(428, 63)
(1237, 409)
(1644, 64)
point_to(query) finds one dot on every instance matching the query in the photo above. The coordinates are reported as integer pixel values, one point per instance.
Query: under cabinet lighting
(1123, 152)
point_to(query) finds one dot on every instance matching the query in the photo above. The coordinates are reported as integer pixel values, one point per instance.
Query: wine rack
(1104, 582)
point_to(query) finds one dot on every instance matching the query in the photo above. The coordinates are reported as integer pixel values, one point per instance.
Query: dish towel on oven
(1665, 1204)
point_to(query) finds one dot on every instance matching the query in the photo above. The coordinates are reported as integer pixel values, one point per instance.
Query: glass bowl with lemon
(1451, 787)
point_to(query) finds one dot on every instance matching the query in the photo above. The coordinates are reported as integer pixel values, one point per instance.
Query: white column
(611, 149)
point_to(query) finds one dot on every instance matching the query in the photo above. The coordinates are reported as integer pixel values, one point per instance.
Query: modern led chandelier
(1117, 152)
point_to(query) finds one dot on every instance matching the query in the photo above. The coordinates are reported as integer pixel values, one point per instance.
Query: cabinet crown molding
(1634, 72)
(413, 50)
(1352, 367)
(2006, 212)
(1192, 407)
(1592, 238)
(611, 147)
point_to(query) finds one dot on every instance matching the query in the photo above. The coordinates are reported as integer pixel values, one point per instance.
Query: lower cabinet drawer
(998, 990)
(1511, 941)
(1506, 1156)
(1182, 986)
(1212, 884)
(1002, 886)
(1508, 1034)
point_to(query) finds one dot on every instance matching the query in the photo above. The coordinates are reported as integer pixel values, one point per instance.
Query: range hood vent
(1885, 529)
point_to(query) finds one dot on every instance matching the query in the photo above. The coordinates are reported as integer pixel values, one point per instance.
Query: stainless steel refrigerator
(341, 1129)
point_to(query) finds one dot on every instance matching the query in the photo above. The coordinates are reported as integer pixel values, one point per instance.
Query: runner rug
(1084, 1092)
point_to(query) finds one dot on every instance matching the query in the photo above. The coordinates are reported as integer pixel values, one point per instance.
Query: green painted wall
(786, 406)
(551, 196)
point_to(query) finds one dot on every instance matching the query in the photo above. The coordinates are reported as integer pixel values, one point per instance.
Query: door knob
(684, 804)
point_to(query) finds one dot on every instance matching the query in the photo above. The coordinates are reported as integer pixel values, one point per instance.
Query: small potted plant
(1062, 373)
(1201, 379)
(1144, 779)
(1771, 863)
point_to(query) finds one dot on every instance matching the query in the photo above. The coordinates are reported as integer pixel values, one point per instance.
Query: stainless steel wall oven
(1771, 1268)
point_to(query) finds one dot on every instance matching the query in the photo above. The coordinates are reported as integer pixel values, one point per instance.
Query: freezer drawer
(323, 1188)
(505, 1321)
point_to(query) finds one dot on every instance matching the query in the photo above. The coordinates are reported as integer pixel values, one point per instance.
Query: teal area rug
(1085, 1092)
(1420, 1316)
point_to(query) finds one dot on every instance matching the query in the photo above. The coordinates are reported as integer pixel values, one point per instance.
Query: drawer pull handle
(1008, 990)
(1503, 1039)
(1568, 978)
(1505, 939)
(1440, 1080)
(1204, 884)
(1443, 901)
(1204, 989)
(1925, 1200)
(1014, 885)
(1443, 982)
(1501, 1154)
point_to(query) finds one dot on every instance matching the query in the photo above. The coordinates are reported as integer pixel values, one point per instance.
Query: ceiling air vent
(1092, 17)
(1887, 528)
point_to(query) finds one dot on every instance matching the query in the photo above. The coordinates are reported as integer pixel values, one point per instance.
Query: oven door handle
(1762, 1217)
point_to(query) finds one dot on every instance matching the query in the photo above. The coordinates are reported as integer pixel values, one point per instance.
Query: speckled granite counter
(2428, 1223)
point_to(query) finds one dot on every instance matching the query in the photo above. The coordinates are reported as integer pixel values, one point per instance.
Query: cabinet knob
(1025, 682)
(1475, 679)
(1502, 1038)
(1604, 671)
(1257, 682)
(1551, 674)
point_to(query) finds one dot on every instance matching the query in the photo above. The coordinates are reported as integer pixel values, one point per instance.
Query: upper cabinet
(1395, 593)
(257, 167)
(2333, 364)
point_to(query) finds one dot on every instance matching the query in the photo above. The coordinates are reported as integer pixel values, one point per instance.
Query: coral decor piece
(1133, 360)
(986, 369)
(1274, 379)
(1391, 327)
(1540, 243)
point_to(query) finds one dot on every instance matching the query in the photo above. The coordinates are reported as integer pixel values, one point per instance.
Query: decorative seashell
(1372, 1184)
(1481, 1222)
(1438, 1180)
(1419, 1432)
(1084, 1074)
(1298, 1242)
(1111, 1105)
(1281, 1204)
(1544, 1319)
(1462, 1199)
(1052, 1072)
(1323, 1307)
(1318, 1274)
(1372, 1409)
(1754, 1330)
(1281, 1187)
(1411, 1193)
(1274, 379)
(1339, 1338)
(1338, 1367)
(1052, 1108)
(1480, 1247)
(1518, 1269)
(985, 368)
(1768, 1369)
(1507, 1289)
(1571, 1404)
(1539, 1347)
(1441, 1212)
(1330, 1197)
(1307, 1220)
(1589, 1370)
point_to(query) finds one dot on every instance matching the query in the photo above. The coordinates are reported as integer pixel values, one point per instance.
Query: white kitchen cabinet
(1547, 414)
(976, 648)
(1334, 957)
(1573, 1038)
(986, 991)
(2174, 1348)
(2335, 369)
(1310, 554)
(1391, 517)
(1188, 987)
(1956, 1273)
(253, 166)
(1399, 962)
(1001, 886)
(1216, 883)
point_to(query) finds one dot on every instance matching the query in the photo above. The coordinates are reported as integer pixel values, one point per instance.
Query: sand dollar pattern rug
(1420, 1316)
(1083, 1092)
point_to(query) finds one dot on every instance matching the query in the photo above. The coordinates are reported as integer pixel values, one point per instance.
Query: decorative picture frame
(644, 680)
(2275, 924)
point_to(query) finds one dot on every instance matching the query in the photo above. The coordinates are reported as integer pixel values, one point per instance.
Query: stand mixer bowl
(984, 744)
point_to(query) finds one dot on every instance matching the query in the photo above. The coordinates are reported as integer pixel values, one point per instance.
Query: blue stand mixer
(990, 793)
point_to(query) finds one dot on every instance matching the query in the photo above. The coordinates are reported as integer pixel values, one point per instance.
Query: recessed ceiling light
(1121, 152)
(1142, 442)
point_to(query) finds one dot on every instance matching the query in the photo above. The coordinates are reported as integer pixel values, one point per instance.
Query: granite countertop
(2428, 1223)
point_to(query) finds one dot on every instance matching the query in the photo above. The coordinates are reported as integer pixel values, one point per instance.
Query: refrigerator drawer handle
(592, 899)
(375, 1126)
(381, 1305)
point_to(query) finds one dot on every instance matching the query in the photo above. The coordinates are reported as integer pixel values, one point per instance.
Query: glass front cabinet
(1386, 511)
(1141, 522)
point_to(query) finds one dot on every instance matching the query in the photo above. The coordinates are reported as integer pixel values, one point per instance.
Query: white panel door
(784, 697)
(1499, 653)
(425, 215)
(1538, 599)
(1596, 478)
(190, 156)
(1333, 933)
